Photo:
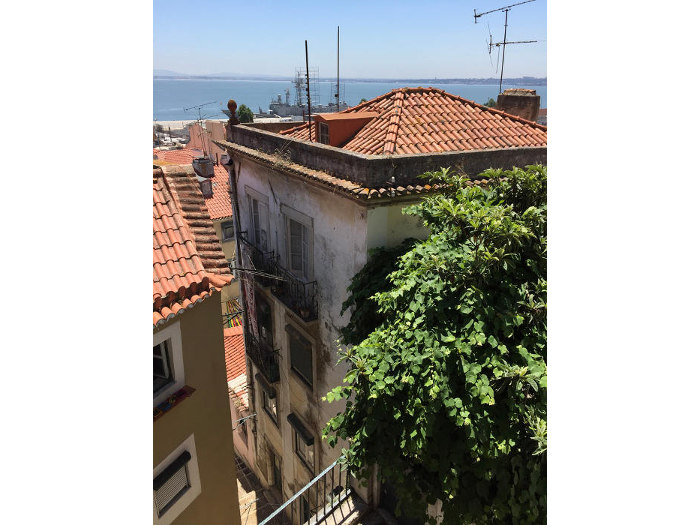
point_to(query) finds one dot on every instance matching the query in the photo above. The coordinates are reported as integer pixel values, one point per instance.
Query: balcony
(326, 499)
(264, 356)
(256, 259)
(297, 295)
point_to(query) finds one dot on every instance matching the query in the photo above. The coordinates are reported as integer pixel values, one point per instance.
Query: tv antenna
(199, 107)
(308, 92)
(505, 30)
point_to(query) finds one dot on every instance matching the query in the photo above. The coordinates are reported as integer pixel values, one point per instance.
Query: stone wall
(375, 171)
(274, 127)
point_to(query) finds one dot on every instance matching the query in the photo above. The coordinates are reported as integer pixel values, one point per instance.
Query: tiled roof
(187, 259)
(219, 205)
(428, 120)
(235, 364)
(337, 184)
(235, 352)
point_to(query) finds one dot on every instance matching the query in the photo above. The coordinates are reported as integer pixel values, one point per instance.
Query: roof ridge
(492, 110)
(393, 127)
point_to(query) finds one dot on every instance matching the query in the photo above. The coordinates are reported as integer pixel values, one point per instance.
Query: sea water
(172, 96)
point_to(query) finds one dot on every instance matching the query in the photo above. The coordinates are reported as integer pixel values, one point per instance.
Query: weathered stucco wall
(206, 415)
(343, 232)
(388, 226)
(243, 433)
(339, 251)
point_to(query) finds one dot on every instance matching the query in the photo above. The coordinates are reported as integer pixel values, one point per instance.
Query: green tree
(447, 394)
(244, 114)
(491, 103)
(363, 100)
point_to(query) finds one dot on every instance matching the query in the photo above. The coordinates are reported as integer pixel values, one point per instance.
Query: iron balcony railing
(297, 295)
(263, 355)
(319, 501)
(263, 262)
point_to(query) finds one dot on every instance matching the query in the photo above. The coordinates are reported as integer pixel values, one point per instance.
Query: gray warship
(300, 106)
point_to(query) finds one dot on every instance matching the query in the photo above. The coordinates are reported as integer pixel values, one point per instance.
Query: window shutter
(170, 484)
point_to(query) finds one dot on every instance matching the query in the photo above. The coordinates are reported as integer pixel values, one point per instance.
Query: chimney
(204, 169)
(524, 103)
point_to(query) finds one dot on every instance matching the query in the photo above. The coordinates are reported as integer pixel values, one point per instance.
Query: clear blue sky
(378, 39)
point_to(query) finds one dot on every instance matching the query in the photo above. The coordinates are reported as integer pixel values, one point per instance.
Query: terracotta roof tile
(235, 352)
(188, 263)
(235, 364)
(219, 205)
(415, 120)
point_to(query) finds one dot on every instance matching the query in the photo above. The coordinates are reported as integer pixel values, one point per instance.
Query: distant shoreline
(522, 81)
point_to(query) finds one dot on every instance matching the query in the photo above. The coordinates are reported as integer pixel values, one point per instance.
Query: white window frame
(307, 222)
(192, 492)
(171, 333)
(263, 222)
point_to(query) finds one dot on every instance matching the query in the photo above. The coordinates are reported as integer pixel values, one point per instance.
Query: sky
(378, 39)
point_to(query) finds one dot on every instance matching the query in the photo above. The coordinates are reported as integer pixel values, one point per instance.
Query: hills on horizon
(525, 80)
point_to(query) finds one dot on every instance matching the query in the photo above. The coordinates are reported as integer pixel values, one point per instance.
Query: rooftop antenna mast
(199, 107)
(505, 30)
(337, 85)
(308, 91)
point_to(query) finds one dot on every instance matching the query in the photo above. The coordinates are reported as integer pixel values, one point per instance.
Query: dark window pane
(301, 357)
(158, 367)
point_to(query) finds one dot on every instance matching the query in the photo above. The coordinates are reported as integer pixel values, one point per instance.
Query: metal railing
(316, 502)
(263, 355)
(297, 295)
(261, 261)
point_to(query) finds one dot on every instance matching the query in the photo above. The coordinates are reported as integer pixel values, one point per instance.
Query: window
(323, 133)
(299, 243)
(298, 248)
(264, 318)
(227, 231)
(259, 220)
(162, 371)
(176, 482)
(270, 404)
(168, 367)
(300, 355)
(172, 483)
(269, 398)
(303, 441)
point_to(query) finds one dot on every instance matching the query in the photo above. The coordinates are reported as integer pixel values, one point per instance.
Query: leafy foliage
(490, 104)
(244, 113)
(369, 281)
(448, 394)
